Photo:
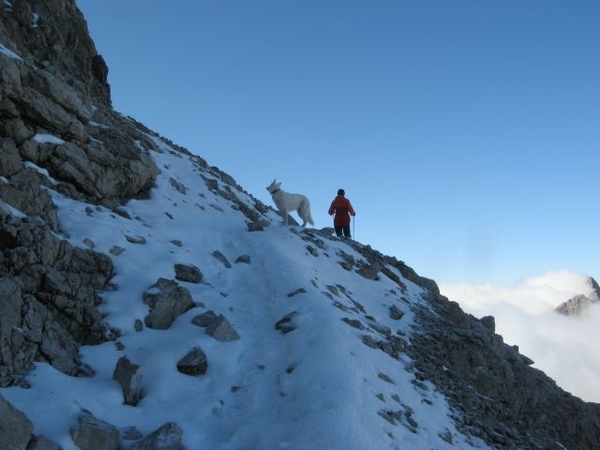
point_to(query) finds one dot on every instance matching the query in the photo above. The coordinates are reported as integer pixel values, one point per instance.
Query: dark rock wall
(53, 35)
(58, 131)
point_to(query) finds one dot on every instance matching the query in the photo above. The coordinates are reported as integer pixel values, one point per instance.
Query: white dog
(287, 203)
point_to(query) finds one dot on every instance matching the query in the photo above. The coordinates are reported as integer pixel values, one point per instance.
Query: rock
(579, 304)
(167, 437)
(354, 323)
(216, 326)
(395, 313)
(131, 434)
(15, 427)
(489, 322)
(167, 300)
(204, 319)
(369, 273)
(10, 161)
(193, 363)
(91, 433)
(129, 376)
(188, 272)
(51, 295)
(296, 292)
(42, 443)
(243, 259)
(136, 239)
(287, 323)
(221, 330)
(108, 169)
(259, 225)
(221, 257)
(25, 193)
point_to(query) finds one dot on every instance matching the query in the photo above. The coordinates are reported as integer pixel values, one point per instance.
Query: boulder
(188, 272)
(167, 437)
(193, 363)
(91, 433)
(221, 329)
(129, 376)
(15, 427)
(167, 300)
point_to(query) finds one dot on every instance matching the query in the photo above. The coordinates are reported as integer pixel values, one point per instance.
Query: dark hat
(341, 192)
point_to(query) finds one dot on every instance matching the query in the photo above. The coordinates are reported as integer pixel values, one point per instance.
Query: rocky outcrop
(54, 36)
(50, 294)
(579, 304)
(26, 193)
(57, 132)
(495, 391)
(55, 108)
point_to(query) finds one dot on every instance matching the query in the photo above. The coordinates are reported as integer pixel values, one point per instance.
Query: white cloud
(560, 346)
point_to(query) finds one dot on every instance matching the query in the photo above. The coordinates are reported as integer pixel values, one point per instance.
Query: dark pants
(345, 231)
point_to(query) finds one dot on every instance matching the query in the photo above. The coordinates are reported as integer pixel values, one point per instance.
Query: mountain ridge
(70, 161)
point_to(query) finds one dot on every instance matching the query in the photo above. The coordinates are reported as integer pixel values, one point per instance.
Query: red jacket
(343, 209)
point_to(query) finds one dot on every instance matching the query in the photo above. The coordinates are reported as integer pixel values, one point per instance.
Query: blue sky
(465, 133)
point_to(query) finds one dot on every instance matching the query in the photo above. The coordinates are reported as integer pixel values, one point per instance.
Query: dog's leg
(302, 216)
(304, 212)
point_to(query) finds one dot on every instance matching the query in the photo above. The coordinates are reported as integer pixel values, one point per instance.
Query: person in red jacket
(342, 208)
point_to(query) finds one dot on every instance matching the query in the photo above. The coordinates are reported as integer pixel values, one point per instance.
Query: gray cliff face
(48, 288)
(53, 83)
(54, 36)
(51, 86)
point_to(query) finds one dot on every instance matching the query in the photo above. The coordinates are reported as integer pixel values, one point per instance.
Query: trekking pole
(354, 227)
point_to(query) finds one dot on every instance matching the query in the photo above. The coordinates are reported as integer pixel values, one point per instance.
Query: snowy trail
(318, 386)
(255, 397)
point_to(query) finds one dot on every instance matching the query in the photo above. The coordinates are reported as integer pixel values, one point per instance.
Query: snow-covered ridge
(320, 383)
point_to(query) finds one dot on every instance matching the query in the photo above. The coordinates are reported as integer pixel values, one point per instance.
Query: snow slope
(316, 387)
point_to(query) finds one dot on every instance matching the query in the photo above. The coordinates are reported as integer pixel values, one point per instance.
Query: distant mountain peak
(580, 303)
(594, 285)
